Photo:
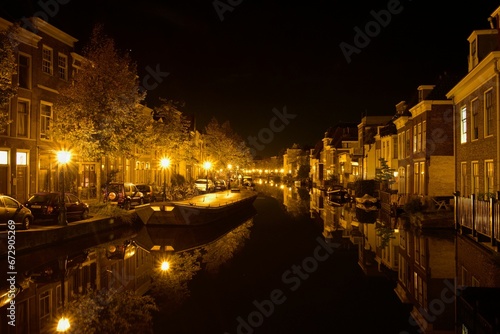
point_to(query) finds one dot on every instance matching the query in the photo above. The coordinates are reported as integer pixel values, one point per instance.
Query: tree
(110, 311)
(224, 146)
(385, 174)
(8, 68)
(303, 172)
(99, 113)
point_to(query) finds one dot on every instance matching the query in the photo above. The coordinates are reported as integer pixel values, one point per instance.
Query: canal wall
(21, 240)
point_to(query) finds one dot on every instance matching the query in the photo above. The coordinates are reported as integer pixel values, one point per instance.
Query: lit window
(489, 172)
(4, 158)
(21, 158)
(463, 125)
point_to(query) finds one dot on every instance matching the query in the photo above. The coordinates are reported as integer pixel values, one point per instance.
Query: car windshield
(41, 198)
(201, 181)
(143, 188)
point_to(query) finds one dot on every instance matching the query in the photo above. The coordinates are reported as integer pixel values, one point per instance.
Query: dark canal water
(268, 271)
(285, 279)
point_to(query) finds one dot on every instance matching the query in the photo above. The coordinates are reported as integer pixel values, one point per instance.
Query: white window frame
(474, 110)
(475, 183)
(27, 118)
(29, 78)
(489, 179)
(488, 113)
(62, 68)
(45, 121)
(47, 60)
(463, 125)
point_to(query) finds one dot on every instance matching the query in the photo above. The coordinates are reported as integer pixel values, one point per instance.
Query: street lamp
(63, 157)
(165, 163)
(207, 165)
(63, 323)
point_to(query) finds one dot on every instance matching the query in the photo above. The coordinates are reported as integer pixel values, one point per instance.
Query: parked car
(12, 210)
(148, 192)
(220, 185)
(47, 205)
(201, 185)
(124, 194)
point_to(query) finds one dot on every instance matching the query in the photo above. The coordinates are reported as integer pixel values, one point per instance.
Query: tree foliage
(99, 113)
(8, 68)
(224, 146)
(384, 174)
(111, 311)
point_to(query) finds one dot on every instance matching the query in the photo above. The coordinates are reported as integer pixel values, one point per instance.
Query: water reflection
(91, 274)
(295, 200)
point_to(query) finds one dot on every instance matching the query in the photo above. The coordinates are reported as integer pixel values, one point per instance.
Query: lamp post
(165, 163)
(63, 157)
(207, 165)
(63, 323)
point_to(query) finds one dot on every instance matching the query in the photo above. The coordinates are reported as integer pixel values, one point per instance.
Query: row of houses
(437, 225)
(47, 59)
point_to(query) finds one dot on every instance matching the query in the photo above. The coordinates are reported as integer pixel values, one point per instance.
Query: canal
(286, 278)
(271, 269)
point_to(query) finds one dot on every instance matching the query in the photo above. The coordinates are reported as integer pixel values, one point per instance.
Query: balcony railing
(479, 218)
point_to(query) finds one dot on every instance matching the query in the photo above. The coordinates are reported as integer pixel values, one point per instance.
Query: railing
(479, 218)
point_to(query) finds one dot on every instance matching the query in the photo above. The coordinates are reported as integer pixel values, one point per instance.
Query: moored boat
(198, 210)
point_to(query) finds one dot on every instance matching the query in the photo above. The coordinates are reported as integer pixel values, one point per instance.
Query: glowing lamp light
(63, 325)
(165, 163)
(207, 165)
(63, 157)
(165, 265)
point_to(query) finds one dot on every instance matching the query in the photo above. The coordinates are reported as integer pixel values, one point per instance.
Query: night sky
(270, 55)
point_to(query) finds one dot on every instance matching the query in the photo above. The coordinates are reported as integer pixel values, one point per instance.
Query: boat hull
(199, 210)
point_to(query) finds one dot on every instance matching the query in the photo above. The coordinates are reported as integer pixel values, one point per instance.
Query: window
(416, 178)
(463, 125)
(474, 109)
(45, 119)
(463, 179)
(22, 158)
(414, 138)
(475, 177)
(401, 181)
(419, 137)
(424, 135)
(422, 178)
(395, 148)
(4, 157)
(24, 71)
(408, 143)
(63, 66)
(45, 309)
(47, 60)
(488, 179)
(488, 113)
(416, 244)
(23, 116)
